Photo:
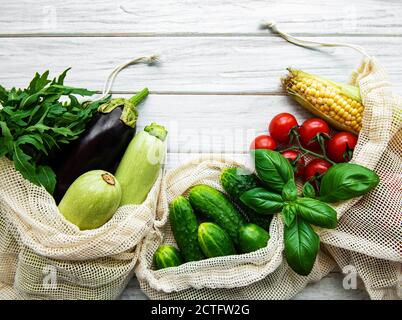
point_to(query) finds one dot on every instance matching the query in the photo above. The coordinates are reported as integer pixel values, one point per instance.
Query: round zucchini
(214, 241)
(167, 256)
(185, 227)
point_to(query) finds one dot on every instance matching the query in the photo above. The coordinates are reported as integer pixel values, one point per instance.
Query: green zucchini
(214, 241)
(218, 208)
(167, 256)
(236, 181)
(139, 168)
(252, 238)
(185, 227)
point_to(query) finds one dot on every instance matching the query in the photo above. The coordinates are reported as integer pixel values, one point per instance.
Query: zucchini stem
(139, 97)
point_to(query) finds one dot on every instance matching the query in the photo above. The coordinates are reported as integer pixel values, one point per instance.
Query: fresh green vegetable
(185, 228)
(141, 164)
(316, 212)
(103, 143)
(217, 207)
(262, 201)
(289, 191)
(273, 169)
(236, 181)
(345, 181)
(214, 241)
(301, 242)
(35, 122)
(252, 238)
(167, 256)
(308, 190)
(301, 246)
(288, 214)
(91, 200)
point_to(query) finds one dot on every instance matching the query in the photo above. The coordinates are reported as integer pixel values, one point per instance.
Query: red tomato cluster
(311, 137)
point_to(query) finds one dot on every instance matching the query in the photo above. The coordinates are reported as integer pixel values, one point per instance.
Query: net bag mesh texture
(43, 256)
(368, 236)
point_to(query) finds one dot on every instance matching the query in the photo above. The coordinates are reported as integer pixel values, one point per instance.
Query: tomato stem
(299, 147)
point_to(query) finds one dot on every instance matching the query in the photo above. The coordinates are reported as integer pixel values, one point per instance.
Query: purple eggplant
(103, 143)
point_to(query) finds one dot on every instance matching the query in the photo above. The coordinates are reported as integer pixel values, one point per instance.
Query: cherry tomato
(340, 146)
(309, 130)
(263, 142)
(280, 126)
(315, 168)
(300, 164)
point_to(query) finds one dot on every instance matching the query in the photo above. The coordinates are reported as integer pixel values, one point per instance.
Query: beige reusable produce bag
(368, 238)
(43, 256)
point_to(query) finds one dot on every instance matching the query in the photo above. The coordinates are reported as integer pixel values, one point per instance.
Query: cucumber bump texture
(185, 228)
(167, 256)
(218, 208)
(214, 241)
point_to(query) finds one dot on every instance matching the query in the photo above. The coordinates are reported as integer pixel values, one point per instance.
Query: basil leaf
(289, 191)
(345, 181)
(308, 190)
(301, 246)
(316, 212)
(288, 214)
(262, 201)
(273, 169)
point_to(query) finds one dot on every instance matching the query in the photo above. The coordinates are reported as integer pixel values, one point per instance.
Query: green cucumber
(185, 227)
(252, 238)
(167, 256)
(214, 241)
(236, 181)
(218, 208)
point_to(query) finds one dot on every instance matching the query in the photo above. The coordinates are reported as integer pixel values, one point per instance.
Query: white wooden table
(218, 81)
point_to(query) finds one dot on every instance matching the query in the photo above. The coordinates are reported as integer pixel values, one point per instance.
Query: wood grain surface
(218, 81)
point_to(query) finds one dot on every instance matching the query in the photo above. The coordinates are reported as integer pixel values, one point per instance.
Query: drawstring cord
(112, 76)
(310, 44)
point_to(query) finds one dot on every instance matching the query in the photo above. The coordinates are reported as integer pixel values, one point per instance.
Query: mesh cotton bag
(262, 274)
(43, 256)
(368, 236)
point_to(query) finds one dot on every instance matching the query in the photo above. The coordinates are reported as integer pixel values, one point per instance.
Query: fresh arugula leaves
(37, 120)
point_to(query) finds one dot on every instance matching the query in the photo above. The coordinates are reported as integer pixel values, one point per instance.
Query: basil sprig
(340, 182)
(345, 181)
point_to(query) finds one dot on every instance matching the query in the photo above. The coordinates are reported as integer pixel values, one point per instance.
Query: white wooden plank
(329, 288)
(188, 65)
(214, 123)
(194, 16)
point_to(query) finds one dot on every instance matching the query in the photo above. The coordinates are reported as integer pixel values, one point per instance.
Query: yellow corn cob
(338, 104)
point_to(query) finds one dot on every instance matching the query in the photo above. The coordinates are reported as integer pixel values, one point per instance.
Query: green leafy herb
(289, 214)
(262, 201)
(316, 212)
(35, 121)
(289, 191)
(273, 169)
(342, 181)
(301, 246)
(308, 190)
(345, 181)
